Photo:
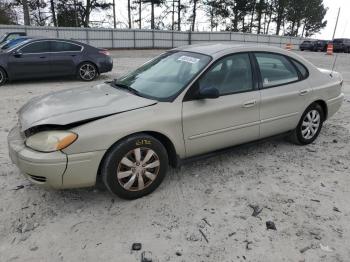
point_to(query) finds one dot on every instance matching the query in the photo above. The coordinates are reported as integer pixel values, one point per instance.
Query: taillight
(105, 52)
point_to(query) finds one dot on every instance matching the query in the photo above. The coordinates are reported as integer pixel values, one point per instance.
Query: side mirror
(208, 92)
(17, 53)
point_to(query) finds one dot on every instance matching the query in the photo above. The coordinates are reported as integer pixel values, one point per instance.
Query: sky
(343, 29)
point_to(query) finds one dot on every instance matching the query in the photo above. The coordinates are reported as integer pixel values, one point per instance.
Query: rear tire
(309, 126)
(135, 167)
(3, 77)
(87, 71)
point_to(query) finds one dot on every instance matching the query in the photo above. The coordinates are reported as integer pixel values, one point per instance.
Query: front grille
(41, 179)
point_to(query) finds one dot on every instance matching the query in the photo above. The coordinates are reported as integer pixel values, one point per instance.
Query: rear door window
(275, 69)
(36, 47)
(57, 46)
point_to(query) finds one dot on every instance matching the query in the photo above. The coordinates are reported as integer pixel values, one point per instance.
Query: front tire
(309, 126)
(3, 77)
(87, 71)
(135, 167)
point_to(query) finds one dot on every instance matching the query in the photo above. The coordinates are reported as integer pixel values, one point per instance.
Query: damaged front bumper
(55, 169)
(45, 169)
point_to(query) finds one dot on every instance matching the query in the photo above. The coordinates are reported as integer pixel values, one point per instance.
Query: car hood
(79, 104)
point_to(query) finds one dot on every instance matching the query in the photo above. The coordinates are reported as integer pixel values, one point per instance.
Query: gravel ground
(202, 210)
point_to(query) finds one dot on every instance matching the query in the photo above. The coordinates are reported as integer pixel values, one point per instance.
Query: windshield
(13, 46)
(2, 37)
(165, 76)
(12, 43)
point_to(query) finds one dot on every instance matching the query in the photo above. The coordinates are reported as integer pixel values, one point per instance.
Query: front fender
(101, 134)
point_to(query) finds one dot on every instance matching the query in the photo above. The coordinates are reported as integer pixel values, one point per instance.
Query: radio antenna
(336, 55)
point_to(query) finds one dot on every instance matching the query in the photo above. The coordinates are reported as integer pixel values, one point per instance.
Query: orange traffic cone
(330, 49)
(289, 46)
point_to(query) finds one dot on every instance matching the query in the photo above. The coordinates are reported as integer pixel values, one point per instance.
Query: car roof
(54, 39)
(215, 48)
(12, 33)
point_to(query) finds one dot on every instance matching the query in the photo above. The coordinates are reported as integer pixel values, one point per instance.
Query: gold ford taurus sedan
(186, 102)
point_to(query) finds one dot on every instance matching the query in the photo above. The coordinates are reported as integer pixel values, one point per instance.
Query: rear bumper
(305, 47)
(320, 48)
(106, 65)
(338, 48)
(56, 169)
(334, 104)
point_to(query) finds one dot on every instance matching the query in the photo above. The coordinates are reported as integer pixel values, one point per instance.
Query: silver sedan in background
(187, 102)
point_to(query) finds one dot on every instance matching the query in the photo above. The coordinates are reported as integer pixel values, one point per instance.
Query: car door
(64, 57)
(285, 92)
(230, 119)
(30, 61)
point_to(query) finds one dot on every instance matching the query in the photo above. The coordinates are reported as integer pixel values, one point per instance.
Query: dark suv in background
(307, 45)
(341, 45)
(320, 45)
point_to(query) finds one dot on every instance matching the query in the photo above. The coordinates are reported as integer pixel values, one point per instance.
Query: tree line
(280, 17)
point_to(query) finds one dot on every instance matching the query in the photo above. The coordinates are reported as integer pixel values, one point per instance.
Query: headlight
(50, 141)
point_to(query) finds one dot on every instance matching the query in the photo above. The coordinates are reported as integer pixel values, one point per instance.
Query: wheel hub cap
(138, 169)
(310, 124)
(87, 72)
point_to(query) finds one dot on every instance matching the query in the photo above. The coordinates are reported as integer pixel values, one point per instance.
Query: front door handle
(42, 56)
(304, 92)
(249, 104)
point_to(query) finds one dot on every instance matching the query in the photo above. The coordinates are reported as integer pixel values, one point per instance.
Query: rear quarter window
(301, 68)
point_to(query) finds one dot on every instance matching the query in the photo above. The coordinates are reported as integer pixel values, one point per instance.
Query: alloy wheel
(2, 77)
(138, 169)
(311, 124)
(87, 72)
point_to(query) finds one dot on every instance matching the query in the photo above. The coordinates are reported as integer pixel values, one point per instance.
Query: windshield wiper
(126, 87)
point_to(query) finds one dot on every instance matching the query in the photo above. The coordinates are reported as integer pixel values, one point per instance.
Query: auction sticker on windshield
(188, 59)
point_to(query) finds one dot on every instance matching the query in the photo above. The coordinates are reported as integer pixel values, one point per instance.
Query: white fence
(130, 38)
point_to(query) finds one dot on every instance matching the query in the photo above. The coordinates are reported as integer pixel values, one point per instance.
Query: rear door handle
(249, 104)
(304, 92)
(42, 56)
